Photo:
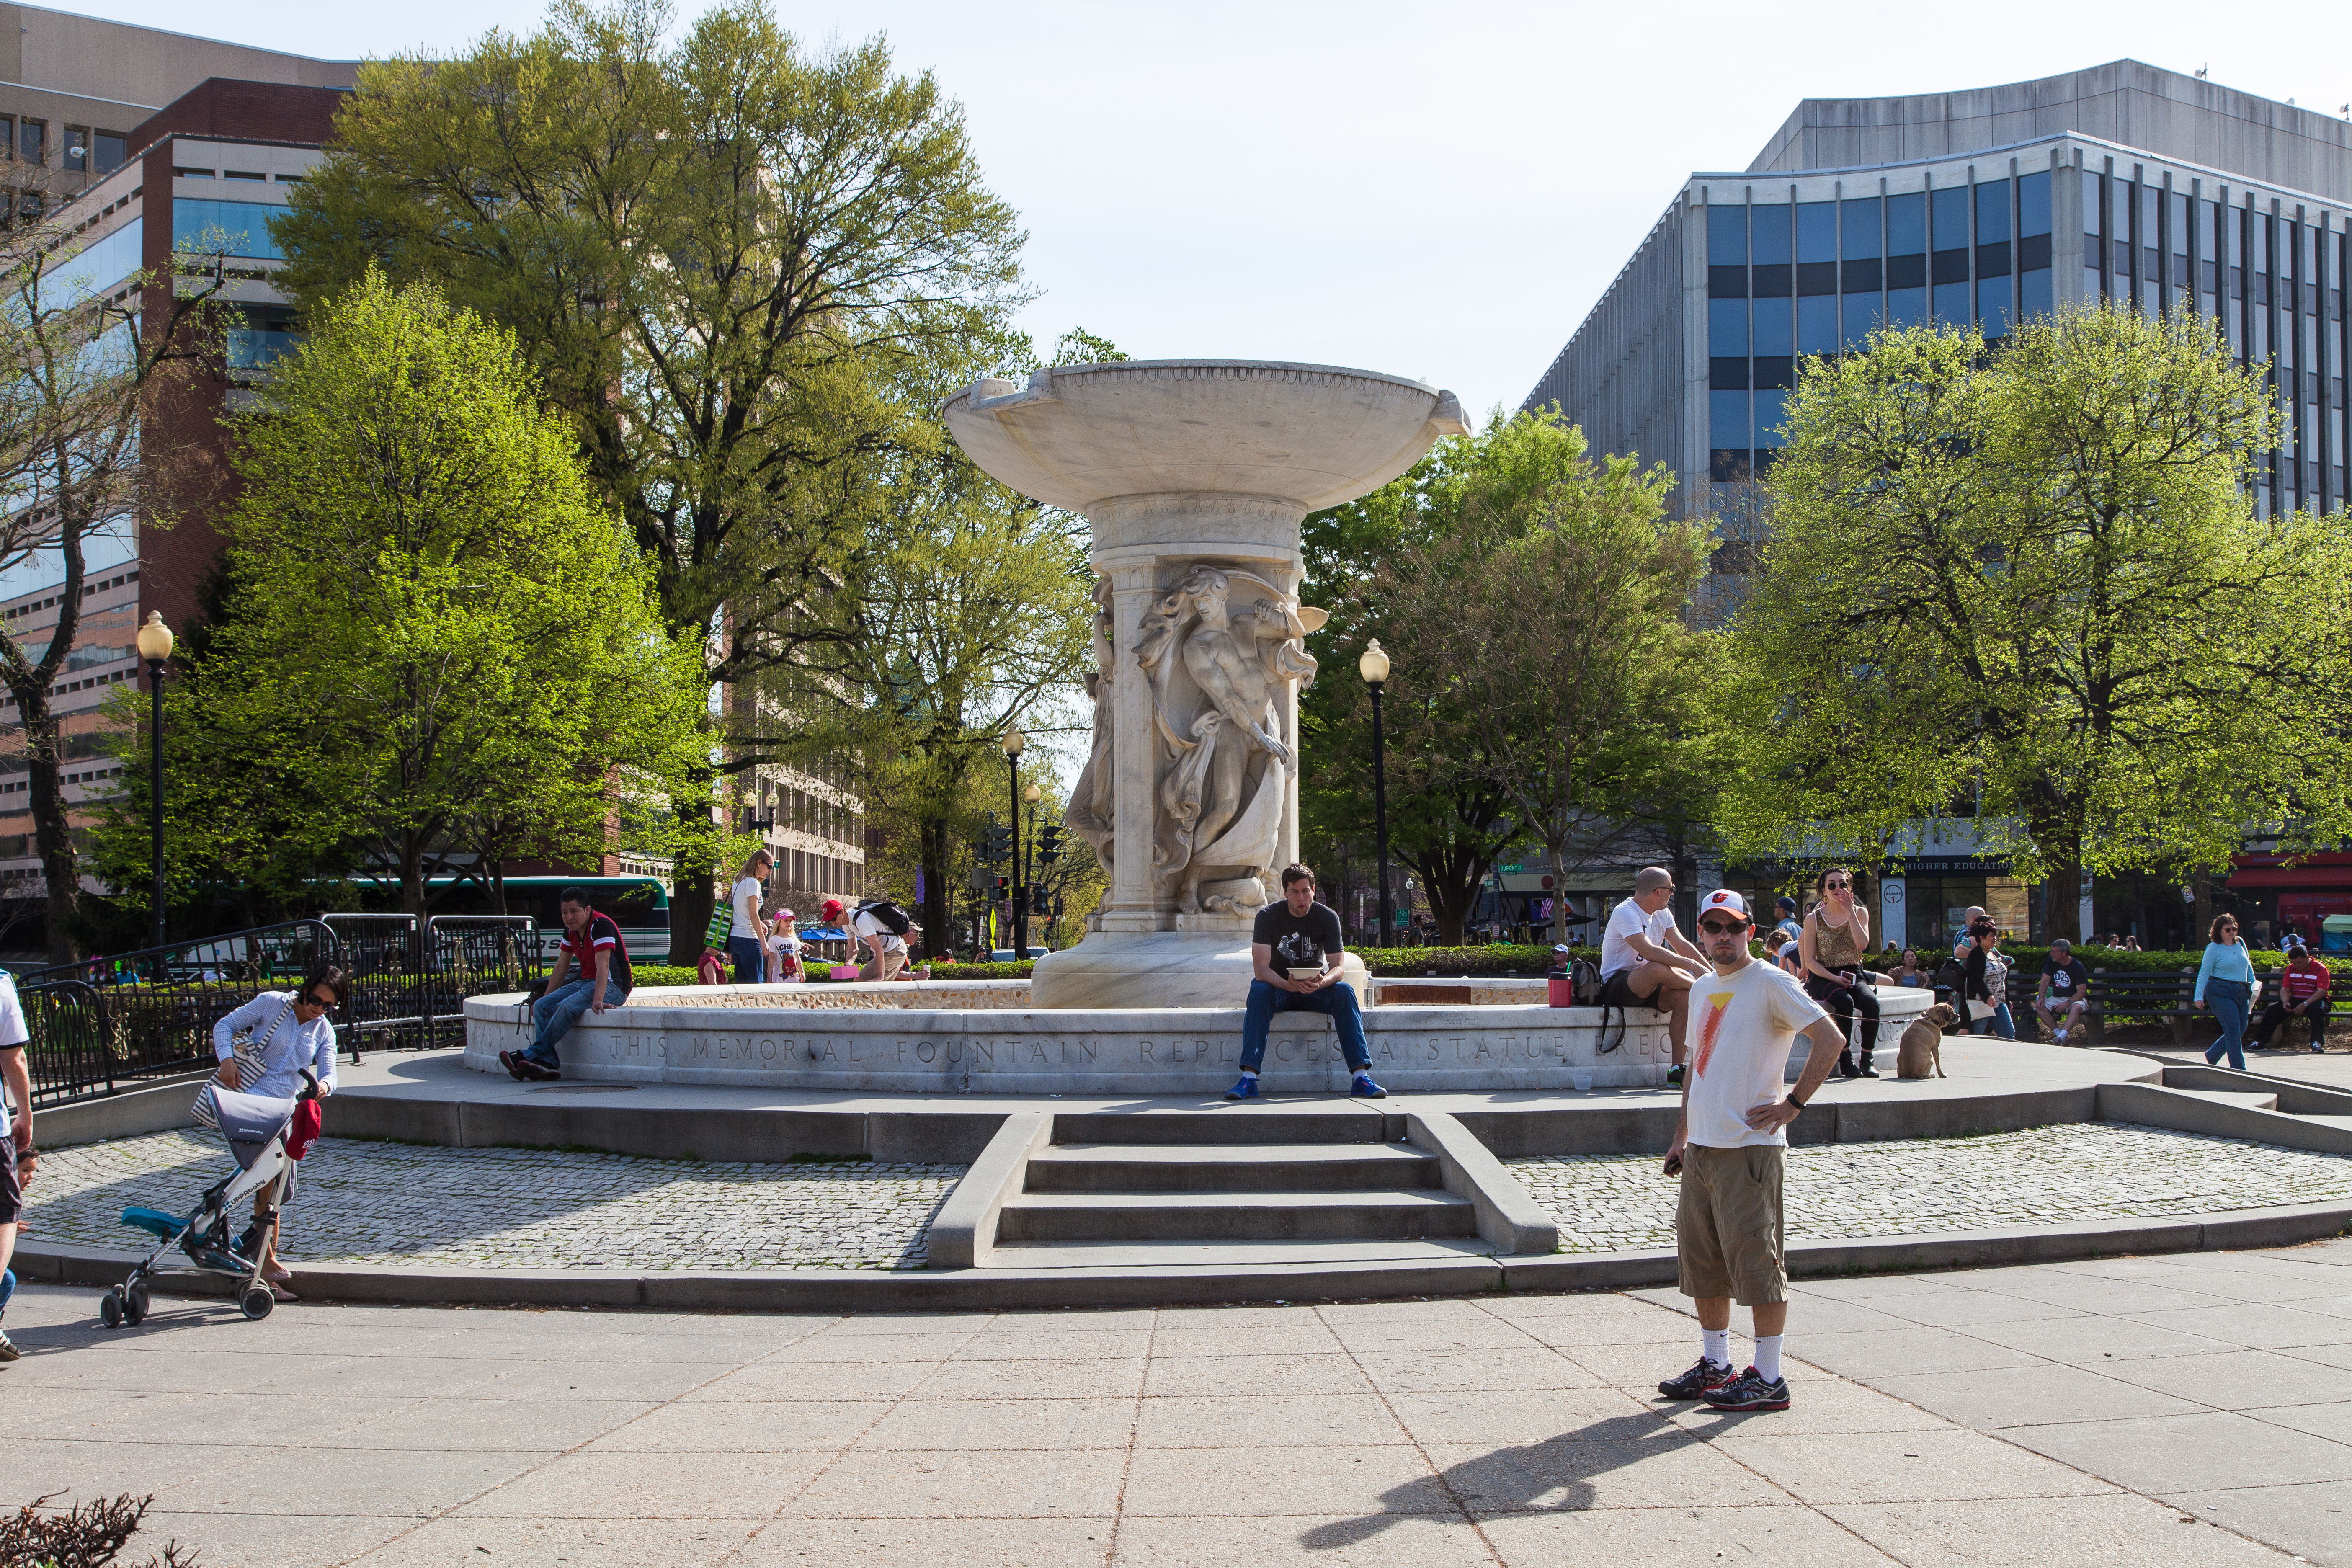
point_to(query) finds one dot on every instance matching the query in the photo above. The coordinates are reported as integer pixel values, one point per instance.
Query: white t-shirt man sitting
(1645, 961)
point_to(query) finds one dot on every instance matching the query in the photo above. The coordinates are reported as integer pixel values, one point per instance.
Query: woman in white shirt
(743, 937)
(286, 1033)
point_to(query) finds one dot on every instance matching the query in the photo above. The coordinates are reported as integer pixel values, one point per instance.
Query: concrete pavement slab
(1043, 1425)
(2032, 1396)
(866, 1483)
(573, 1543)
(2234, 1380)
(1215, 1483)
(750, 1487)
(1678, 1537)
(1292, 1373)
(2209, 1450)
(1909, 1467)
(930, 1543)
(2118, 1530)
(2313, 1521)
(1313, 1540)
(2250, 1324)
(1464, 1419)
(1248, 1419)
(772, 1426)
(1630, 1461)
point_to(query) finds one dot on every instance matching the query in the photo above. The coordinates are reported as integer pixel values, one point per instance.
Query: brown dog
(1921, 1054)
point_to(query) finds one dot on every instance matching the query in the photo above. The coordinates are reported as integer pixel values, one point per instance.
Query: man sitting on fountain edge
(1303, 935)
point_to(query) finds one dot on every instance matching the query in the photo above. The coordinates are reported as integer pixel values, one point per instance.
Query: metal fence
(109, 1022)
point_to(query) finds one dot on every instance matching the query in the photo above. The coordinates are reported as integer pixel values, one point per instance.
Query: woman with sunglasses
(286, 1031)
(2226, 980)
(1833, 946)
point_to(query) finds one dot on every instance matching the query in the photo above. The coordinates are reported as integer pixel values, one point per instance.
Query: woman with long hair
(2225, 981)
(1986, 983)
(1833, 947)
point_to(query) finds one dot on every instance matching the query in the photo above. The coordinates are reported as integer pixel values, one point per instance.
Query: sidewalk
(2184, 1410)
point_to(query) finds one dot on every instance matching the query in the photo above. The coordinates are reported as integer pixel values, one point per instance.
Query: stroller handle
(310, 1085)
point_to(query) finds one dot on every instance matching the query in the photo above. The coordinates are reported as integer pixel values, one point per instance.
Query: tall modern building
(2124, 182)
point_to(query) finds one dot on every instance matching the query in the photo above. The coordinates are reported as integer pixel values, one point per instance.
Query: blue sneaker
(1246, 1089)
(1365, 1088)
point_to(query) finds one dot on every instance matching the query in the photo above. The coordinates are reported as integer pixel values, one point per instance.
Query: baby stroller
(255, 1128)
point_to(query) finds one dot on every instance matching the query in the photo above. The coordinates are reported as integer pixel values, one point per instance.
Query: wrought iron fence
(100, 1025)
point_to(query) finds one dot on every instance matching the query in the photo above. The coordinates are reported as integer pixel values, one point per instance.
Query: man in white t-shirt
(888, 947)
(1645, 961)
(17, 1158)
(1731, 1150)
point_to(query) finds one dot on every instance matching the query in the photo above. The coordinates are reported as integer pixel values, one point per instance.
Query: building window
(1726, 420)
(1816, 232)
(1728, 466)
(1771, 408)
(110, 149)
(1726, 236)
(1863, 317)
(259, 335)
(31, 141)
(1769, 235)
(1993, 306)
(1775, 326)
(1727, 328)
(1952, 305)
(1817, 324)
(1907, 308)
(77, 154)
(239, 228)
(1906, 224)
(1858, 235)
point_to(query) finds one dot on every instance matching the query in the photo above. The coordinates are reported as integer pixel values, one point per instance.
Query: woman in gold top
(1833, 946)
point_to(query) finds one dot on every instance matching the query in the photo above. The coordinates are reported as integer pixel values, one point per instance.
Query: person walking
(1296, 951)
(594, 952)
(1645, 961)
(1984, 982)
(2225, 982)
(288, 1033)
(1730, 1151)
(1834, 945)
(2302, 993)
(743, 900)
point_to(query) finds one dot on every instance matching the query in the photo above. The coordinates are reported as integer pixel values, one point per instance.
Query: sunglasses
(311, 999)
(1722, 928)
(1835, 887)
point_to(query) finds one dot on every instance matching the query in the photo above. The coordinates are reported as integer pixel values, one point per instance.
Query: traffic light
(1049, 844)
(1040, 903)
(1004, 887)
(995, 845)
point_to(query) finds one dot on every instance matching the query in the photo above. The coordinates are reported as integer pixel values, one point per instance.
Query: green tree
(444, 646)
(2025, 582)
(721, 255)
(1542, 684)
(80, 368)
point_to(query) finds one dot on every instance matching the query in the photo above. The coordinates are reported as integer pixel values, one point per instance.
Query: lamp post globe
(155, 643)
(1373, 666)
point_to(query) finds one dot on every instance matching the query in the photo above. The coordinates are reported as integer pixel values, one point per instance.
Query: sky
(1440, 191)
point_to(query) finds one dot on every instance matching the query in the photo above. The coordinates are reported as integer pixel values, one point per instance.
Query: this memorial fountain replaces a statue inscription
(1194, 476)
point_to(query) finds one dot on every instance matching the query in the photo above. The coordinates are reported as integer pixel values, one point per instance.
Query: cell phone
(1673, 1165)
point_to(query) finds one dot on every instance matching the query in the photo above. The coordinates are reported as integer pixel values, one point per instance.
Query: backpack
(887, 915)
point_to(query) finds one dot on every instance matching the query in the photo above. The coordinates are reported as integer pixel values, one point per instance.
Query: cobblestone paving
(2045, 1175)
(362, 1202)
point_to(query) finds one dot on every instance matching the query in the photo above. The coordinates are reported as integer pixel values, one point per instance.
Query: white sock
(1716, 1343)
(1767, 1358)
(1249, 1072)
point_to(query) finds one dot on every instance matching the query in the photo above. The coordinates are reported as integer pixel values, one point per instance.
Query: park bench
(2165, 994)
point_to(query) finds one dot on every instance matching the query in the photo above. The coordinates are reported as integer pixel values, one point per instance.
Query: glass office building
(1984, 206)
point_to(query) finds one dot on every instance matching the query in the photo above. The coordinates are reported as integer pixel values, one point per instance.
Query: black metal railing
(107, 1022)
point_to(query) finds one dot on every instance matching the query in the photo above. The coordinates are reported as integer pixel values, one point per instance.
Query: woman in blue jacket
(2225, 981)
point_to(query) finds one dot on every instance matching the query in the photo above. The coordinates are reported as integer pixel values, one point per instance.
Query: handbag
(247, 1055)
(1979, 1011)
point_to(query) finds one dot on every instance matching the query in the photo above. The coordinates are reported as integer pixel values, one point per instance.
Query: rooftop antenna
(2201, 72)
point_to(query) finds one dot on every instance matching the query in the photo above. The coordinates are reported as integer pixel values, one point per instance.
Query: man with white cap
(1730, 1150)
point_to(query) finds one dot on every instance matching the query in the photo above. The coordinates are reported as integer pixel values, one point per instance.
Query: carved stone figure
(1227, 766)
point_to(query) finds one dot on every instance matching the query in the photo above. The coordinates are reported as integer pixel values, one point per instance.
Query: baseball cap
(1724, 899)
(833, 907)
(1786, 902)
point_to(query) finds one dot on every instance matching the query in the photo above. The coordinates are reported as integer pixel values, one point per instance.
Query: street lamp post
(155, 647)
(1374, 668)
(1014, 741)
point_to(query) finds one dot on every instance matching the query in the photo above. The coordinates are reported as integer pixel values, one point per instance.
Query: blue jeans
(1997, 1022)
(2228, 998)
(750, 960)
(1337, 1000)
(556, 1012)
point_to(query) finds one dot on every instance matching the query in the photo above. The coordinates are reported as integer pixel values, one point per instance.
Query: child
(783, 948)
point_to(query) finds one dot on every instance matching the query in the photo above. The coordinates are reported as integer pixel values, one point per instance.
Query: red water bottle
(1563, 981)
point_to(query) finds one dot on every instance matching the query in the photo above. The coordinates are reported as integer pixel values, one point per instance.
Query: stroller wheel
(110, 1310)
(135, 1305)
(256, 1301)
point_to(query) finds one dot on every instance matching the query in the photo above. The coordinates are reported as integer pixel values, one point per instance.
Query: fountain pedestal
(1194, 476)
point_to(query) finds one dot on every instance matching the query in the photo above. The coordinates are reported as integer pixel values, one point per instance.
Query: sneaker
(1704, 1374)
(1363, 1087)
(8, 1351)
(1675, 1076)
(1748, 1391)
(2061, 1039)
(536, 1072)
(1246, 1089)
(512, 1062)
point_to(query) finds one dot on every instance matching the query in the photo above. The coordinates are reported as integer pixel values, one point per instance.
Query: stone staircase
(1243, 1188)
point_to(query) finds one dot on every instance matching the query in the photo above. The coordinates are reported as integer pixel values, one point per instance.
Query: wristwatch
(1795, 1102)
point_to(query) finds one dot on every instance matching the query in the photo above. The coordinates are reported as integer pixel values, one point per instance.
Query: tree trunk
(1556, 849)
(2202, 924)
(692, 892)
(938, 940)
(52, 835)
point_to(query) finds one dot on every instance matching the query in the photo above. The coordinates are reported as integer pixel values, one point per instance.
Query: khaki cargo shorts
(1730, 1239)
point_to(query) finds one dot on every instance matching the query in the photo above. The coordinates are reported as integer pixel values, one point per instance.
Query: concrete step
(1236, 1255)
(2343, 1121)
(1322, 1119)
(2249, 1100)
(1235, 1216)
(1231, 1168)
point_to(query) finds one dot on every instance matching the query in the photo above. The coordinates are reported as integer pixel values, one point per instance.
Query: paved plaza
(2192, 1409)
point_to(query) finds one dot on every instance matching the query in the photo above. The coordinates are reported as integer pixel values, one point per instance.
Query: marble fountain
(1193, 476)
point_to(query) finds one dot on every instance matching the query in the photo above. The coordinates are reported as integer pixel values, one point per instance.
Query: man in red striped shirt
(2302, 993)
